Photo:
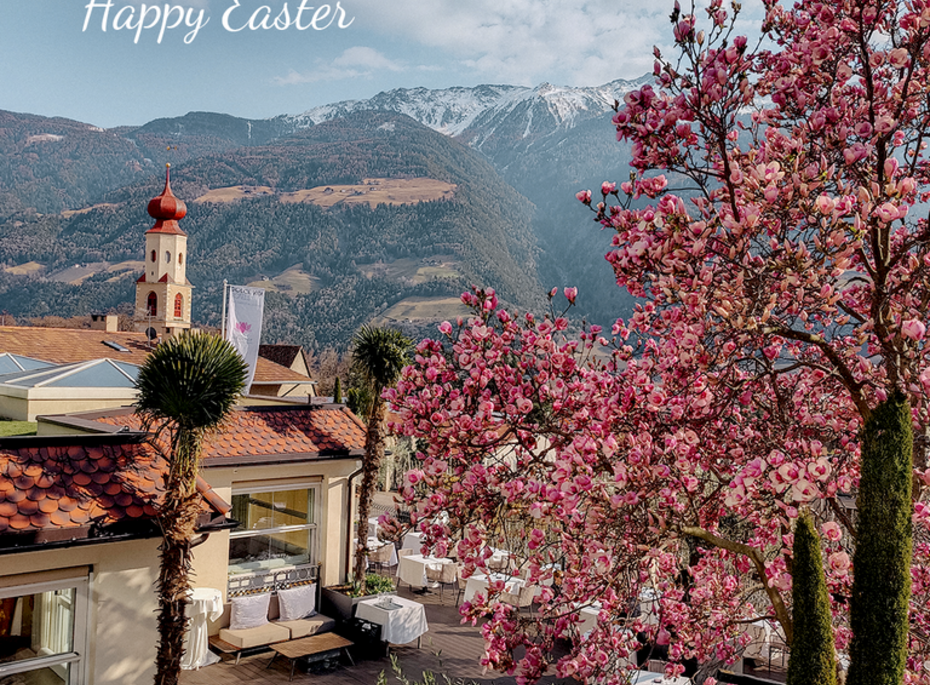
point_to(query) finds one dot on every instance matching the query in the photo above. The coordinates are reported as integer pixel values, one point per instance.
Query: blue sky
(58, 61)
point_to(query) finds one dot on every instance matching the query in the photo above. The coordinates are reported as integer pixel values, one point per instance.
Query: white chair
(462, 582)
(523, 598)
(380, 556)
(500, 563)
(401, 553)
(444, 574)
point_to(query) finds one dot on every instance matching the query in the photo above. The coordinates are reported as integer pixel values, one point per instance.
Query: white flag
(244, 324)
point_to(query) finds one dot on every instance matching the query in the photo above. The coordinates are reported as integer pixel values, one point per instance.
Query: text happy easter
(161, 19)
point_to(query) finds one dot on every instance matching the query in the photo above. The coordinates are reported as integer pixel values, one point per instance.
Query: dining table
(413, 540)
(402, 620)
(478, 582)
(412, 569)
(206, 604)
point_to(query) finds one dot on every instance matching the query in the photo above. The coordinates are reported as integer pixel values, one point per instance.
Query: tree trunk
(812, 660)
(374, 454)
(178, 520)
(882, 561)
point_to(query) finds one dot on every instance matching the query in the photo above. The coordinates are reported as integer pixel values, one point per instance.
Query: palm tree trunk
(374, 454)
(178, 520)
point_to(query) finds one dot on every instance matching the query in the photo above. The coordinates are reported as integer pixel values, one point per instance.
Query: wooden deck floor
(449, 647)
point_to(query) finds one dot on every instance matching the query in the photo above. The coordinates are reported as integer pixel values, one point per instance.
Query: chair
(523, 598)
(500, 563)
(462, 582)
(380, 556)
(444, 574)
(401, 553)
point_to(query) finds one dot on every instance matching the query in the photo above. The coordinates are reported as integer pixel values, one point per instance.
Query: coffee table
(310, 646)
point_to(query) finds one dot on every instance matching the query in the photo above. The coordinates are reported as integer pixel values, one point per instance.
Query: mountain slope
(548, 142)
(358, 261)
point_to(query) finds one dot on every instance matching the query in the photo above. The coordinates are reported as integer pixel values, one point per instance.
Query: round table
(206, 603)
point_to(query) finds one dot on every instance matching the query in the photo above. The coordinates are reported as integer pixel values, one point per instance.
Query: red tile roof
(65, 487)
(65, 345)
(267, 434)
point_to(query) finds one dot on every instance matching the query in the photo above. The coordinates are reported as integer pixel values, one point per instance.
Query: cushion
(255, 637)
(249, 612)
(297, 602)
(308, 626)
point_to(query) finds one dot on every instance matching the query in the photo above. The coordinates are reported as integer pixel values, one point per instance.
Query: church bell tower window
(152, 304)
(178, 306)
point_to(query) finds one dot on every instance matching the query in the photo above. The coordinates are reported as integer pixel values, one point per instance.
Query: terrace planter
(337, 604)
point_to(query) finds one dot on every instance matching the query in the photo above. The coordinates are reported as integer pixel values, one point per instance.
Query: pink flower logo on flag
(243, 327)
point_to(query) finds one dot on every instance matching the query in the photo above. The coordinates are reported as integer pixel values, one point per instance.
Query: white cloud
(355, 62)
(367, 59)
(572, 42)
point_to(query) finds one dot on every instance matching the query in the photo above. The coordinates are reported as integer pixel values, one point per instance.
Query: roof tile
(270, 432)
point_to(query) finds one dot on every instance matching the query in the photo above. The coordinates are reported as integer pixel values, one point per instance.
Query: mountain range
(428, 192)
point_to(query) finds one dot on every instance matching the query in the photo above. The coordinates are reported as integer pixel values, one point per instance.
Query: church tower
(163, 293)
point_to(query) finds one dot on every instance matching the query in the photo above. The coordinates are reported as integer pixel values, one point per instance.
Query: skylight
(116, 346)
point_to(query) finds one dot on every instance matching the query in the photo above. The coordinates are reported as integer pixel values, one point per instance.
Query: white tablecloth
(588, 616)
(206, 604)
(479, 583)
(398, 626)
(373, 527)
(412, 569)
(646, 678)
(413, 540)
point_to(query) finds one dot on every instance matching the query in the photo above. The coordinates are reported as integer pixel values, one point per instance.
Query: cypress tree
(881, 564)
(812, 660)
(337, 392)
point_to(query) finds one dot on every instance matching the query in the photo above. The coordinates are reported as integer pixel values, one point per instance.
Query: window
(152, 304)
(180, 258)
(178, 306)
(277, 528)
(43, 632)
(153, 255)
(167, 257)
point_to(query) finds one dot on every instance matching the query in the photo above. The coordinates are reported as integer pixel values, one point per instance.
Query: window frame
(77, 658)
(313, 541)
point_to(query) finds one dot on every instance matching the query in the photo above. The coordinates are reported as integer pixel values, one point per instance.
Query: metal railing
(270, 580)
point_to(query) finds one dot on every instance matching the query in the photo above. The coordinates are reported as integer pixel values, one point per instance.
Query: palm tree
(378, 357)
(187, 386)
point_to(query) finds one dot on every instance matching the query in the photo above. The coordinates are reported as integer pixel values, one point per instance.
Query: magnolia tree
(655, 476)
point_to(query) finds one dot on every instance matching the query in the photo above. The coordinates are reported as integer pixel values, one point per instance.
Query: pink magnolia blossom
(831, 531)
(777, 304)
(913, 329)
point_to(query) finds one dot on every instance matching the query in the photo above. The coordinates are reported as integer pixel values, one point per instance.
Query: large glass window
(42, 633)
(277, 528)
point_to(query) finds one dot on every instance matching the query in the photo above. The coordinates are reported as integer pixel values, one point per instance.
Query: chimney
(104, 322)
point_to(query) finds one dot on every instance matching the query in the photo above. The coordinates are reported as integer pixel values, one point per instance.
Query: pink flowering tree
(653, 478)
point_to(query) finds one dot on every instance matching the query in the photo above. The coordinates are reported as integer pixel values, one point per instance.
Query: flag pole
(223, 331)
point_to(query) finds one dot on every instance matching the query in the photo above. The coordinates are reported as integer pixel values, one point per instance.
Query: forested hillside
(348, 254)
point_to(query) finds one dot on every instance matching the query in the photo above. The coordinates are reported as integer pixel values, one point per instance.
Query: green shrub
(882, 561)
(812, 660)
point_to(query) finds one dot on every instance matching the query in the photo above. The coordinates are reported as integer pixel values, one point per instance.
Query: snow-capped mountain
(477, 113)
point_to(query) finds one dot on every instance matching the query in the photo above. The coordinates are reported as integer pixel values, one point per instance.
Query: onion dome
(166, 209)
